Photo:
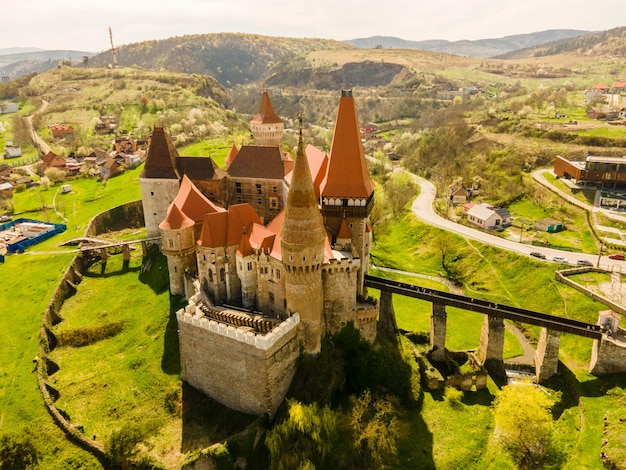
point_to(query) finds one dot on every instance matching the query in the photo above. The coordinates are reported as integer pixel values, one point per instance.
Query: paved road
(423, 208)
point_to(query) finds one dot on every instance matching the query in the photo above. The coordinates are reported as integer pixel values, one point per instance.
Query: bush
(56, 175)
(453, 396)
(17, 452)
(122, 444)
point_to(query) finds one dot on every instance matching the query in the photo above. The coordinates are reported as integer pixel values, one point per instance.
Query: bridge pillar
(547, 354)
(608, 355)
(104, 255)
(492, 345)
(386, 314)
(125, 253)
(438, 332)
(144, 248)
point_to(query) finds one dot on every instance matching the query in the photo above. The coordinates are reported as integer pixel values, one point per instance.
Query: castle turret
(302, 246)
(267, 128)
(159, 180)
(179, 246)
(347, 192)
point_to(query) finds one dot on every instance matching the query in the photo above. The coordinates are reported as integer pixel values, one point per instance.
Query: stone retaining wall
(562, 276)
(125, 216)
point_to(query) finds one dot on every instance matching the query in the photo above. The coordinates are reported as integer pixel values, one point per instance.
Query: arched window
(211, 275)
(222, 275)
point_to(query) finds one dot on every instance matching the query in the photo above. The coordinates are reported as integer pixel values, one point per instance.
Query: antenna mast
(113, 48)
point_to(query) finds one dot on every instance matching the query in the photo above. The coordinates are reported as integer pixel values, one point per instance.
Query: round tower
(302, 244)
(267, 128)
(179, 246)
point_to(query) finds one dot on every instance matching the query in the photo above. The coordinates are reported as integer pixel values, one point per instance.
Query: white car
(560, 259)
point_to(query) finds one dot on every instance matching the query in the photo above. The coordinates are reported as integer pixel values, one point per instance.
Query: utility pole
(113, 48)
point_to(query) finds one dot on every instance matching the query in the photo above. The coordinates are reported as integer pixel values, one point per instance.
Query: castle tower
(159, 180)
(302, 246)
(266, 126)
(179, 246)
(347, 192)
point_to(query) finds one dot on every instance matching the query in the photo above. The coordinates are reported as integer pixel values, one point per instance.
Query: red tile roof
(192, 202)
(266, 114)
(344, 230)
(175, 219)
(347, 174)
(227, 228)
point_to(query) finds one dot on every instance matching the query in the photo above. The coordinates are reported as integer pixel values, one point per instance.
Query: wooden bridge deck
(544, 320)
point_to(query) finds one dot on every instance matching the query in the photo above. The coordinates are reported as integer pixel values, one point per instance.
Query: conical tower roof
(303, 223)
(161, 156)
(266, 114)
(347, 174)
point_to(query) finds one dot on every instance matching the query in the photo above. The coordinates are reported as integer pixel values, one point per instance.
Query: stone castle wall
(608, 355)
(128, 215)
(242, 370)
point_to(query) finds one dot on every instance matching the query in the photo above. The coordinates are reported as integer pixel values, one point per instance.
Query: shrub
(17, 451)
(453, 396)
(56, 175)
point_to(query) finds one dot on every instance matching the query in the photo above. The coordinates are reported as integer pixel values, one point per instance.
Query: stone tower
(347, 192)
(267, 128)
(302, 246)
(159, 181)
(179, 246)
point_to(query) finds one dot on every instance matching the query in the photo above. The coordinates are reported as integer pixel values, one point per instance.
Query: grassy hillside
(196, 105)
(231, 58)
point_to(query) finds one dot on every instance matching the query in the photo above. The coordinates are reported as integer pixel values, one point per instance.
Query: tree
(303, 440)
(17, 451)
(56, 175)
(122, 444)
(524, 424)
(374, 424)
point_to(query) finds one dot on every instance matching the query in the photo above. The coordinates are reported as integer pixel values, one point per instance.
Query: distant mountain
(478, 48)
(18, 50)
(611, 42)
(14, 65)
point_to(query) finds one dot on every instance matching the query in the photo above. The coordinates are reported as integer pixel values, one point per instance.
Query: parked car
(537, 254)
(584, 262)
(560, 259)
(618, 256)
(5, 218)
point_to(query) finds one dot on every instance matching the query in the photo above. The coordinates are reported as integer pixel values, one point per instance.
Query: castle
(270, 253)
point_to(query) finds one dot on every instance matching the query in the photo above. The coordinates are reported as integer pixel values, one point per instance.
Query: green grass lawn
(216, 148)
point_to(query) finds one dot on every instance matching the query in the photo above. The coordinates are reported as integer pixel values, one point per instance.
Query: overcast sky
(83, 24)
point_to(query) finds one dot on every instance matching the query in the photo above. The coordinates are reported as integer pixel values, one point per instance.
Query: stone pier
(387, 315)
(547, 354)
(492, 345)
(438, 332)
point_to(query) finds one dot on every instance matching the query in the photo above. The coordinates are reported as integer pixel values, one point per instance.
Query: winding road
(423, 209)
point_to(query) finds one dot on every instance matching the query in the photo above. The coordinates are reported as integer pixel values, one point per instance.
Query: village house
(52, 160)
(62, 131)
(12, 151)
(6, 190)
(487, 218)
(458, 194)
(110, 168)
(6, 108)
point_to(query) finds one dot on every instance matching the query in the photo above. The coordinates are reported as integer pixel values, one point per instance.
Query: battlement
(194, 314)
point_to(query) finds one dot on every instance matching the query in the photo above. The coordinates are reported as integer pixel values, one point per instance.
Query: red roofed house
(280, 266)
(52, 160)
(62, 131)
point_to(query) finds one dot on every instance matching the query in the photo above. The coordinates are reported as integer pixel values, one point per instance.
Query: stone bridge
(492, 335)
